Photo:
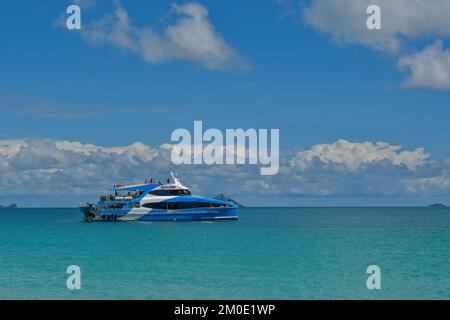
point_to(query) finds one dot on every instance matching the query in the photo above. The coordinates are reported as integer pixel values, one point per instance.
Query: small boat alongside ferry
(152, 201)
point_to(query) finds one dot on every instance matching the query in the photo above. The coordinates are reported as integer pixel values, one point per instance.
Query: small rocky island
(11, 206)
(437, 205)
(226, 198)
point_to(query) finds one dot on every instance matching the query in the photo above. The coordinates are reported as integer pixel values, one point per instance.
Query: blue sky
(279, 65)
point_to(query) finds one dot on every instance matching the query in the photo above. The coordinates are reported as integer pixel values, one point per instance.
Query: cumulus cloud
(402, 22)
(192, 37)
(347, 168)
(9, 148)
(345, 21)
(437, 185)
(429, 68)
(350, 156)
(67, 169)
(61, 168)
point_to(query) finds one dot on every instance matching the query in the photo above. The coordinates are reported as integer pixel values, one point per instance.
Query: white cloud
(371, 169)
(74, 170)
(345, 21)
(402, 22)
(430, 68)
(61, 167)
(139, 149)
(438, 184)
(192, 37)
(9, 148)
(352, 156)
(47, 167)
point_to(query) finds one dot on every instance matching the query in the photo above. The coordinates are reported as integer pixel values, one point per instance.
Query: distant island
(437, 205)
(11, 206)
(226, 198)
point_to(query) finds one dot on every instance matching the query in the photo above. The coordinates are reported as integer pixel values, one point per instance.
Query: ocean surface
(270, 253)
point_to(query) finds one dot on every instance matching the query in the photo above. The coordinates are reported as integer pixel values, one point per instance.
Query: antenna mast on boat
(174, 178)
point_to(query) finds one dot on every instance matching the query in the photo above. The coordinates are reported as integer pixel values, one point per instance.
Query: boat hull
(224, 214)
(166, 215)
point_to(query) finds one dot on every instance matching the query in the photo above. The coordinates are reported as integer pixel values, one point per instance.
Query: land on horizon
(11, 206)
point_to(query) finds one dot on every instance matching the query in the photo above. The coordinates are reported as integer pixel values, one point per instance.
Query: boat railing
(132, 184)
(119, 197)
(123, 198)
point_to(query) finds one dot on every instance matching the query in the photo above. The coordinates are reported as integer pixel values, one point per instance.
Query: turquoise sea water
(270, 253)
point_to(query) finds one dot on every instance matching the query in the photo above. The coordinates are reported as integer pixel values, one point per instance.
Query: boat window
(183, 205)
(172, 206)
(177, 192)
(218, 205)
(191, 205)
(115, 206)
(187, 205)
(156, 205)
(134, 205)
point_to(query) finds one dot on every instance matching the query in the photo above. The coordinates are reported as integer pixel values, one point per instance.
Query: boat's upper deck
(136, 187)
(137, 191)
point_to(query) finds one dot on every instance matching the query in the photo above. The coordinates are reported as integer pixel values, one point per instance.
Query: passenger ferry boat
(152, 201)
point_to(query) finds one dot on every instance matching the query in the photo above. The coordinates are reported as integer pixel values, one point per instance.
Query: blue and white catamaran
(152, 201)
